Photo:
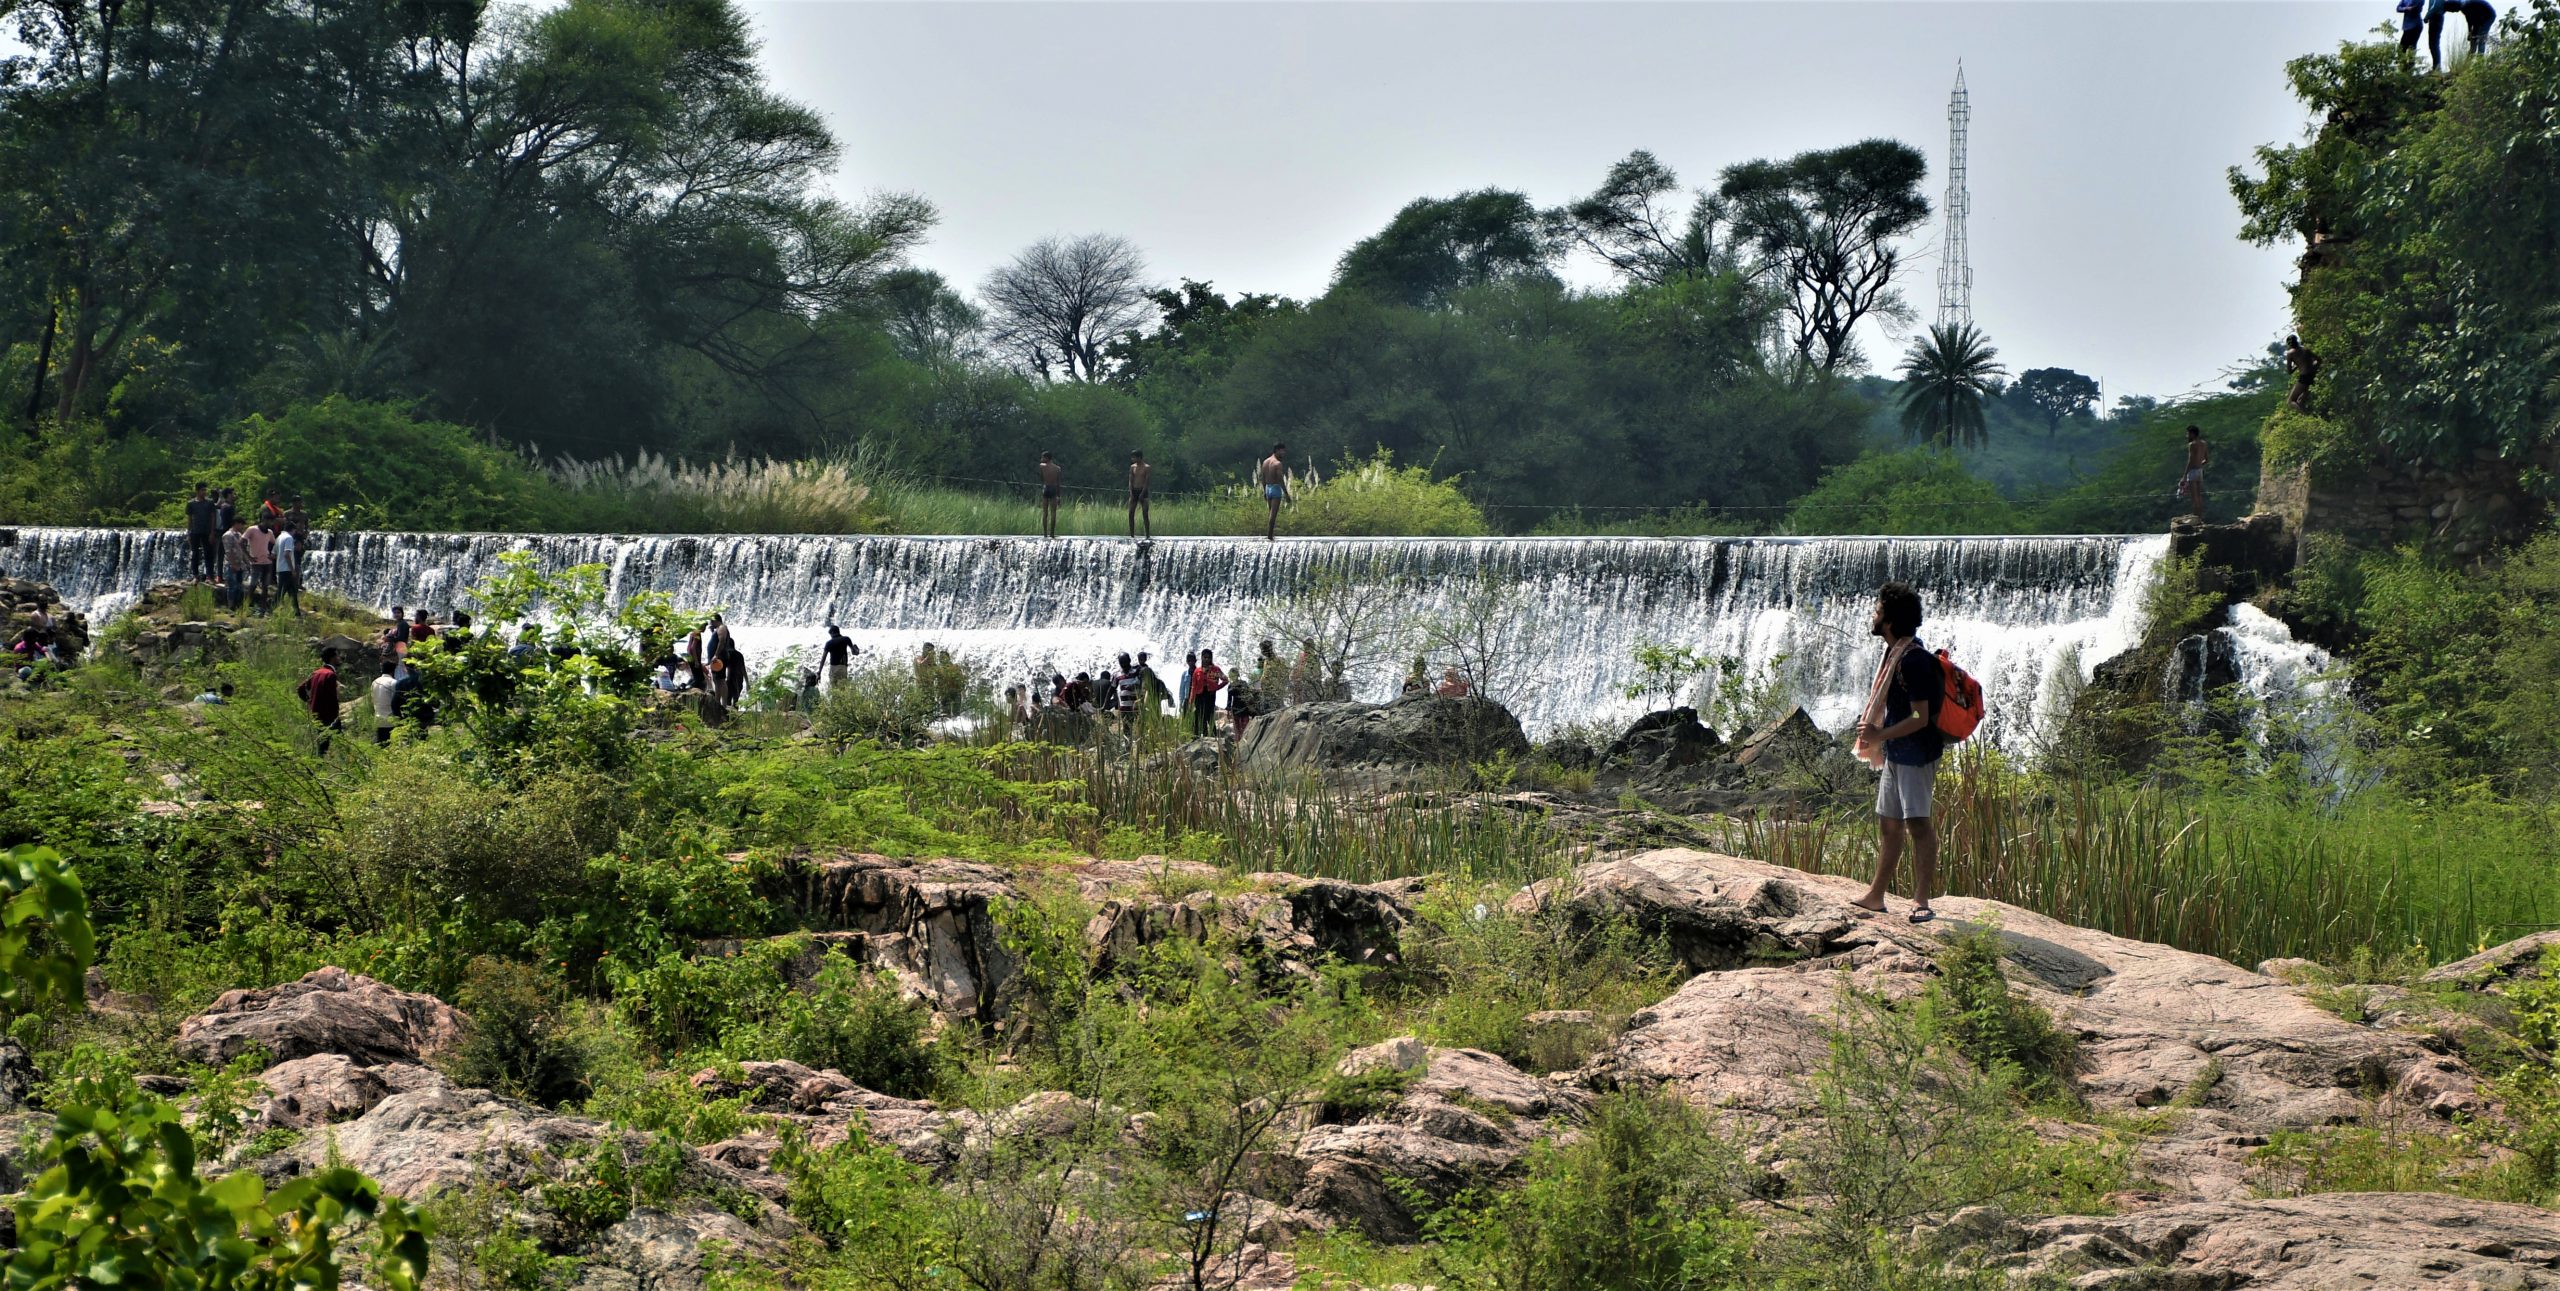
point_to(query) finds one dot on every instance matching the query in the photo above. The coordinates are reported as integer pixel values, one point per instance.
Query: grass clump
(1994, 1026)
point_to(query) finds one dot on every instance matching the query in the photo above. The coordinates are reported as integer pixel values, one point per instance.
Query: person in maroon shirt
(319, 693)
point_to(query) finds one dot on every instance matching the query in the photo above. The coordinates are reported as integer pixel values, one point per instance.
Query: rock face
(1413, 733)
(329, 1011)
(327, 1088)
(930, 923)
(2244, 1053)
(1462, 1118)
(2300, 1244)
(1286, 922)
(2492, 969)
(1664, 740)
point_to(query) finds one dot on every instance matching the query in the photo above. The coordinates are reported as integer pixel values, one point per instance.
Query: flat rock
(2314, 1243)
(2156, 1026)
(330, 1010)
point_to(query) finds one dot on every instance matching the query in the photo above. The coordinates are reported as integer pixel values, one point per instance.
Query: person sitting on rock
(1454, 686)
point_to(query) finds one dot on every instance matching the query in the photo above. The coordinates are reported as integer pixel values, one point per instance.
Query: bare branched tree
(1055, 306)
(1338, 623)
(1485, 633)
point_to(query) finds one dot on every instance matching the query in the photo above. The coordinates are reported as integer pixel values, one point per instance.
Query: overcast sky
(1248, 144)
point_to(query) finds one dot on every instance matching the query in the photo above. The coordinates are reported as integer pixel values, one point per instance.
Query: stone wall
(2463, 508)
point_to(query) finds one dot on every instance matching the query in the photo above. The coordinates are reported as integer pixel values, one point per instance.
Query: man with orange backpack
(1897, 734)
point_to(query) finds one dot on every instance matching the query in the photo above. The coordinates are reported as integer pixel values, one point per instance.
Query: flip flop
(1866, 909)
(1923, 915)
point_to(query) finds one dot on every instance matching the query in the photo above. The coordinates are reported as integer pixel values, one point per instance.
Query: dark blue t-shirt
(1918, 675)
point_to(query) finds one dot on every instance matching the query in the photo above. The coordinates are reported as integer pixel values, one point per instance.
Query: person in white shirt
(289, 569)
(386, 700)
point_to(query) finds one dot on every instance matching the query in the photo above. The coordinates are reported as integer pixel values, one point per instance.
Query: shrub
(1920, 490)
(519, 1043)
(366, 465)
(1647, 1198)
(1994, 1026)
(2291, 438)
(883, 1217)
(884, 704)
(1365, 497)
(1474, 972)
(854, 1021)
(737, 495)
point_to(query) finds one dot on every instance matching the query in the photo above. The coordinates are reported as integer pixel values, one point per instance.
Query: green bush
(1474, 972)
(884, 704)
(1371, 497)
(361, 465)
(520, 1043)
(2293, 438)
(851, 1020)
(1647, 1198)
(1917, 491)
(1993, 1025)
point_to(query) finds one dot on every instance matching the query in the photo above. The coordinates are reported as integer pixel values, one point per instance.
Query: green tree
(2425, 206)
(1438, 246)
(1627, 222)
(2055, 393)
(1945, 376)
(1823, 225)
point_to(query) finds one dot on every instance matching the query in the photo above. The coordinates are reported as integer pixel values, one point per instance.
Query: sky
(1249, 144)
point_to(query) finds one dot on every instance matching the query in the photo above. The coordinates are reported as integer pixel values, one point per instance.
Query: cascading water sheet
(2028, 616)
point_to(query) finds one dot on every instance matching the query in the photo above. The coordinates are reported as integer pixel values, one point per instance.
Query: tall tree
(2056, 393)
(929, 321)
(1945, 377)
(1055, 307)
(1628, 222)
(1823, 224)
(1437, 247)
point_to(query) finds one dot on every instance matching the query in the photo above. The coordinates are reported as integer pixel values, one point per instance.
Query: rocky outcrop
(1283, 922)
(1416, 733)
(2397, 1240)
(1462, 1117)
(327, 1088)
(1665, 740)
(827, 1108)
(2495, 968)
(930, 923)
(658, 1250)
(329, 1011)
(2241, 1054)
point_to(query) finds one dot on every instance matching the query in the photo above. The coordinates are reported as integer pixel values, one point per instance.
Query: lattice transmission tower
(1955, 267)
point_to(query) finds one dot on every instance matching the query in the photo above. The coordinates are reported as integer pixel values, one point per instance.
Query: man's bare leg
(1272, 534)
(1888, 857)
(1924, 859)
(1147, 512)
(1133, 516)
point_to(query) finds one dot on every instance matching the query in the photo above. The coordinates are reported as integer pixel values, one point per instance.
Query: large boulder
(661, 1250)
(1459, 1119)
(2239, 1053)
(930, 923)
(1286, 923)
(330, 1010)
(2497, 967)
(2365, 1239)
(327, 1088)
(1414, 733)
(1666, 739)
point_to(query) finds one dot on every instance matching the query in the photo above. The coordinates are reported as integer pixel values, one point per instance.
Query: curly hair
(1901, 607)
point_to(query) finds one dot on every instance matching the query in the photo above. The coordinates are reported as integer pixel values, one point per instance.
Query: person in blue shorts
(1274, 477)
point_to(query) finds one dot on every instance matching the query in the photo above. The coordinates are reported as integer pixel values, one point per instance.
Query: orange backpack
(1961, 710)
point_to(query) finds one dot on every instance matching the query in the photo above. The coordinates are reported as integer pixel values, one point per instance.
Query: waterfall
(2017, 612)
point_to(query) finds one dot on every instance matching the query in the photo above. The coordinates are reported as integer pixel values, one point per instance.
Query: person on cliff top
(1273, 475)
(1139, 474)
(1897, 733)
(2304, 365)
(1050, 486)
(202, 559)
(2192, 483)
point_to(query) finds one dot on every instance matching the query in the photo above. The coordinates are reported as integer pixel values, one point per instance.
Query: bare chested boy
(1139, 473)
(1274, 477)
(1049, 476)
(2192, 483)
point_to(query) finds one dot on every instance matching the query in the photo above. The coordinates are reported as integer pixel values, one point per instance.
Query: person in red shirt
(1206, 681)
(319, 693)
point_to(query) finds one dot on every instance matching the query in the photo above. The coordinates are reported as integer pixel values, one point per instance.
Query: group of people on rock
(2478, 17)
(37, 641)
(252, 560)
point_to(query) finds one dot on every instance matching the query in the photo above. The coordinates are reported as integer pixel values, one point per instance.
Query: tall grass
(2246, 873)
(650, 494)
(1256, 823)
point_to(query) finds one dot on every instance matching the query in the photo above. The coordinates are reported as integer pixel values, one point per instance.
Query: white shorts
(1904, 791)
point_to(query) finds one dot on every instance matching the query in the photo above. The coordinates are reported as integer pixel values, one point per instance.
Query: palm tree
(1944, 378)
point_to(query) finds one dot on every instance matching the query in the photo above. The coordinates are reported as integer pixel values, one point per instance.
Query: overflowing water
(2028, 616)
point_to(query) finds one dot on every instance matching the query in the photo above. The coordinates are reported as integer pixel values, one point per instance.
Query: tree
(1055, 307)
(1436, 247)
(1627, 223)
(1945, 376)
(1823, 225)
(929, 322)
(2056, 393)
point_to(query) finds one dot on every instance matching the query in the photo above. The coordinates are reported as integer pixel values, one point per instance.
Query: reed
(652, 494)
(2245, 873)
